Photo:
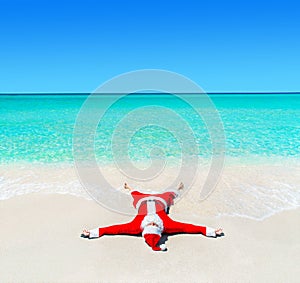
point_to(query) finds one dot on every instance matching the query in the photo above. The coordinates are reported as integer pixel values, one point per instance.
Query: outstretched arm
(178, 190)
(127, 187)
(180, 186)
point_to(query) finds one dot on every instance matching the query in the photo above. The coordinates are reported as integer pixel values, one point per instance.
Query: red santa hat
(152, 227)
(152, 240)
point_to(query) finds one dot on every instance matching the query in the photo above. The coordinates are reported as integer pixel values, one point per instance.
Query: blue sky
(74, 46)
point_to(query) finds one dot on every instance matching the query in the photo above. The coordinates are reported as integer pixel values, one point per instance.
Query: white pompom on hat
(152, 240)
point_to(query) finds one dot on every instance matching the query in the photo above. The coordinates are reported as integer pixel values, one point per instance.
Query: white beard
(152, 229)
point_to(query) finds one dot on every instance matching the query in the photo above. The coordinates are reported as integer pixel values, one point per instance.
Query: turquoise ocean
(262, 145)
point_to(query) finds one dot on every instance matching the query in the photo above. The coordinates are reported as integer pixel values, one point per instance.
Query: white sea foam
(254, 191)
(25, 178)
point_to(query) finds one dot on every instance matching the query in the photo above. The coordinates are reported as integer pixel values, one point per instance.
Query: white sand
(40, 242)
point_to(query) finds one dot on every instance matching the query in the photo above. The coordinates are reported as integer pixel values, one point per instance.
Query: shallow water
(262, 147)
(40, 128)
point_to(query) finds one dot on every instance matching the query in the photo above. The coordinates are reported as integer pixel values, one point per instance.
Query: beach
(169, 116)
(40, 242)
(48, 196)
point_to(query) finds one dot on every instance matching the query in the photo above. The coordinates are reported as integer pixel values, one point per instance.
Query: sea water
(261, 145)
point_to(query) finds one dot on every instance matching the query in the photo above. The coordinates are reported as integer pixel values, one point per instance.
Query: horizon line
(140, 93)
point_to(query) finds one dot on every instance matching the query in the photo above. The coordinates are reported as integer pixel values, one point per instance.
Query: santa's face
(152, 224)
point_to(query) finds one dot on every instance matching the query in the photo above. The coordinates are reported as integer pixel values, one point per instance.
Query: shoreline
(42, 243)
(252, 191)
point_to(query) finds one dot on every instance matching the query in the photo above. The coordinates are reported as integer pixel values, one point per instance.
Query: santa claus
(152, 220)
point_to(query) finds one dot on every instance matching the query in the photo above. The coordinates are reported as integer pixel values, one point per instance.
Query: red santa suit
(152, 220)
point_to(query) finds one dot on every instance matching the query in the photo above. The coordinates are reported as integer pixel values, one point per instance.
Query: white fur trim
(154, 192)
(94, 233)
(138, 204)
(163, 247)
(210, 232)
(151, 207)
(152, 218)
(151, 229)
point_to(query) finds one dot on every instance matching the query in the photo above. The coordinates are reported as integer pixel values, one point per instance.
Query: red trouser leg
(172, 227)
(131, 228)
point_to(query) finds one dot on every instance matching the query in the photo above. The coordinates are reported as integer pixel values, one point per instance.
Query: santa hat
(152, 240)
(152, 233)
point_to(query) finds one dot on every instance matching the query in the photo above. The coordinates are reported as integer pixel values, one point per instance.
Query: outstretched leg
(131, 228)
(173, 227)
